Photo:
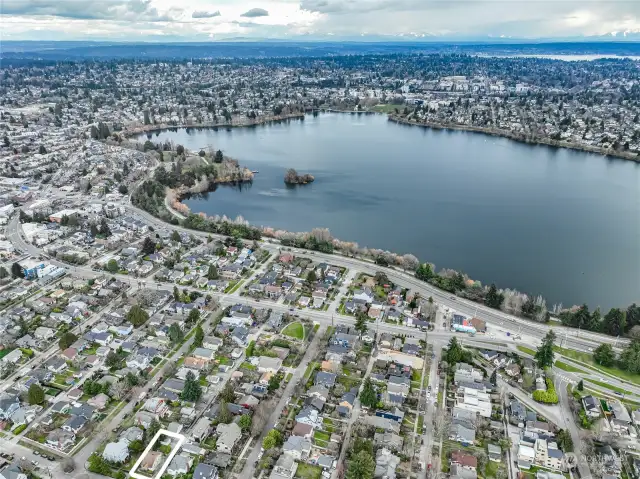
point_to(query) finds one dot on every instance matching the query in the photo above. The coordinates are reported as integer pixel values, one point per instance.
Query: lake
(562, 223)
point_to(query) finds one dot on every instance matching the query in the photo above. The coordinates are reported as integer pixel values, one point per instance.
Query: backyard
(294, 330)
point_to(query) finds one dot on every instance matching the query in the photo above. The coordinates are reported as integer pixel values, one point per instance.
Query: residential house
(298, 447)
(9, 403)
(60, 439)
(180, 464)
(269, 365)
(201, 429)
(228, 435)
(285, 467)
(591, 406)
(205, 471)
(152, 461)
(325, 379)
(116, 452)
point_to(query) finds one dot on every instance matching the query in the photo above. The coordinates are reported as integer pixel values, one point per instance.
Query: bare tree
(118, 390)
(411, 262)
(260, 418)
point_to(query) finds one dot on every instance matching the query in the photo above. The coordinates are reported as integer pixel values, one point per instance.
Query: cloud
(255, 12)
(126, 10)
(205, 14)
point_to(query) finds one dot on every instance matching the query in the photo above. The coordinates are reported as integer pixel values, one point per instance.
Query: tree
(104, 228)
(42, 150)
(177, 297)
(3, 272)
(454, 352)
(136, 446)
(198, 337)
(152, 430)
(615, 322)
(311, 277)
(112, 266)
(272, 439)
(424, 272)
(94, 230)
(137, 316)
(180, 150)
(224, 415)
(148, 246)
(361, 466)
(175, 236)
(66, 340)
(16, 270)
(493, 299)
(368, 396)
(630, 357)
(604, 355)
(212, 273)
(218, 157)
(112, 360)
(194, 317)
(122, 189)
(361, 322)
(274, 383)
(176, 335)
(244, 422)
(544, 355)
(494, 377)
(227, 393)
(581, 385)
(192, 389)
(35, 394)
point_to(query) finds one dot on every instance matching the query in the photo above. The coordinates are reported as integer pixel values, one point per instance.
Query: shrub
(549, 396)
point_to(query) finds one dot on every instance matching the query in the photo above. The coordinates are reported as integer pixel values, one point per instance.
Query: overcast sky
(201, 20)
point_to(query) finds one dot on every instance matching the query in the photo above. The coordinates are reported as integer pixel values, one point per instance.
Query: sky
(210, 20)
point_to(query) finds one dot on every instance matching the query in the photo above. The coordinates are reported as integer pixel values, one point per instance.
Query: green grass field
(386, 108)
(568, 367)
(526, 350)
(294, 330)
(604, 385)
(307, 471)
(591, 364)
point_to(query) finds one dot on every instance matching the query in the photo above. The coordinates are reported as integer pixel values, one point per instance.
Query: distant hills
(248, 48)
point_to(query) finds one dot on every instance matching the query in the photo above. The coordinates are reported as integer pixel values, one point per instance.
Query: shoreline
(621, 155)
(628, 156)
(144, 129)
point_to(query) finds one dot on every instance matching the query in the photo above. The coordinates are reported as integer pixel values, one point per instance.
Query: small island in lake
(292, 177)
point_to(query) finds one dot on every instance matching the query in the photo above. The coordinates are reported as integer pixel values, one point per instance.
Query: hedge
(549, 396)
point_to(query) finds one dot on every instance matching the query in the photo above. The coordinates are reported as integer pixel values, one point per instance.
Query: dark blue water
(562, 223)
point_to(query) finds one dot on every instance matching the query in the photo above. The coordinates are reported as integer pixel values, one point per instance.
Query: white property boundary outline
(162, 432)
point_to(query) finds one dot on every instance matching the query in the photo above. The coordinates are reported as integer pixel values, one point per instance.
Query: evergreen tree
(368, 396)
(361, 466)
(198, 337)
(192, 389)
(175, 333)
(493, 299)
(66, 340)
(604, 355)
(361, 322)
(454, 352)
(3, 272)
(544, 355)
(16, 270)
(581, 385)
(212, 273)
(148, 246)
(137, 316)
(35, 394)
(104, 228)
(494, 377)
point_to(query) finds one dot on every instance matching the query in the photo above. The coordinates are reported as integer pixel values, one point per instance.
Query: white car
(428, 394)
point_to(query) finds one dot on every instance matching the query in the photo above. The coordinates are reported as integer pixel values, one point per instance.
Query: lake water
(562, 223)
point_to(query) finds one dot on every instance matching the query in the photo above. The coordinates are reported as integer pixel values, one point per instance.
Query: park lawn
(307, 471)
(591, 364)
(384, 108)
(294, 330)
(288, 377)
(420, 423)
(568, 367)
(527, 350)
(608, 386)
